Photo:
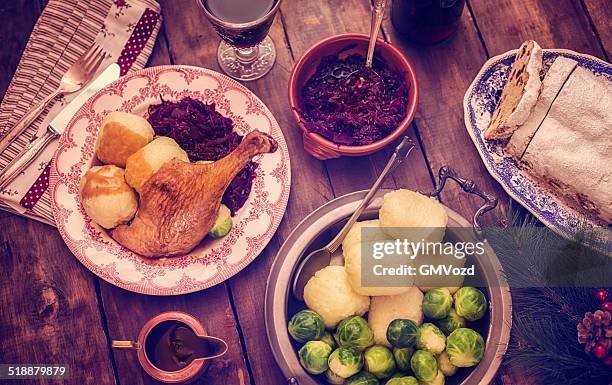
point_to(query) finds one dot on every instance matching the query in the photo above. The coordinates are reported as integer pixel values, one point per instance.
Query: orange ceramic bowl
(347, 44)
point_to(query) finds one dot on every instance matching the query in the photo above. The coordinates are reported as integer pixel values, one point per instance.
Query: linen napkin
(125, 29)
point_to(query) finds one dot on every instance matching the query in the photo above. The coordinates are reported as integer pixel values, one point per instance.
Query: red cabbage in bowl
(349, 104)
(204, 134)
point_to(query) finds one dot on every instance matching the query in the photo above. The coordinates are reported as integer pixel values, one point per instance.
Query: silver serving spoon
(321, 258)
(378, 11)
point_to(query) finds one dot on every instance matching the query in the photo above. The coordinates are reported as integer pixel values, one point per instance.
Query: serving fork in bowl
(73, 80)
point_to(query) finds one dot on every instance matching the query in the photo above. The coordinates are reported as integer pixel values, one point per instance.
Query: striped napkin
(126, 29)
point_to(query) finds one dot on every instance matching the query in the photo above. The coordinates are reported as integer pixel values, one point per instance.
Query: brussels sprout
(424, 365)
(363, 378)
(401, 333)
(438, 380)
(379, 361)
(223, 224)
(345, 361)
(305, 326)
(470, 303)
(451, 323)
(444, 365)
(354, 331)
(437, 303)
(402, 358)
(313, 356)
(465, 347)
(404, 380)
(430, 338)
(328, 339)
(333, 378)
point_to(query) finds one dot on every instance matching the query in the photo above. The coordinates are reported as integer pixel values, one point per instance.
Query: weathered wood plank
(50, 312)
(444, 72)
(18, 18)
(505, 24)
(600, 12)
(161, 53)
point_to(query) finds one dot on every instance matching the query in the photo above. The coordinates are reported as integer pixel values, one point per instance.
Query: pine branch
(551, 292)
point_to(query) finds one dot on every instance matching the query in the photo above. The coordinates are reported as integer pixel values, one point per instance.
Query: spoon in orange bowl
(321, 258)
(378, 11)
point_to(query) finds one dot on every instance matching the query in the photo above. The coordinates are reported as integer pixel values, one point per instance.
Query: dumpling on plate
(106, 197)
(122, 134)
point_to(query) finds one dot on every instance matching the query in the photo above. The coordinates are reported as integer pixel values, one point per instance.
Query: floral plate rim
(553, 221)
(186, 284)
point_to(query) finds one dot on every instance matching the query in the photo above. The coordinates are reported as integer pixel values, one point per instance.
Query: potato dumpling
(353, 266)
(106, 197)
(148, 160)
(329, 294)
(410, 215)
(122, 134)
(373, 233)
(384, 309)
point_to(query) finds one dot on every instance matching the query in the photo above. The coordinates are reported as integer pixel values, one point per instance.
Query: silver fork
(73, 80)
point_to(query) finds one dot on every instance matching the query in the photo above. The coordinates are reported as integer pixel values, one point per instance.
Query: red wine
(239, 11)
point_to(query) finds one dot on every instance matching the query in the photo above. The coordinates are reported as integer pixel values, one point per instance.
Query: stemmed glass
(246, 52)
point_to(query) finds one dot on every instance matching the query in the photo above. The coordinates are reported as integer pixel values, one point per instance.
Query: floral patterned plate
(213, 261)
(479, 103)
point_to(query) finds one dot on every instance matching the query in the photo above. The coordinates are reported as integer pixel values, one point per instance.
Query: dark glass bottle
(427, 21)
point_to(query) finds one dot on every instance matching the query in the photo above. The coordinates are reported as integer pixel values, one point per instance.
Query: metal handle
(445, 173)
(401, 152)
(126, 345)
(26, 120)
(26, 157)
(378, 12)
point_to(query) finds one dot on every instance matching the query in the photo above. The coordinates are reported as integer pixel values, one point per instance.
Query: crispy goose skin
(180, 202)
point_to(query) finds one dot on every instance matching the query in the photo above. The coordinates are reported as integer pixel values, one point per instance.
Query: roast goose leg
(179, 203)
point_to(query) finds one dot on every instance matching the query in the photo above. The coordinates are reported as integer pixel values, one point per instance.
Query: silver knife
(57, 126)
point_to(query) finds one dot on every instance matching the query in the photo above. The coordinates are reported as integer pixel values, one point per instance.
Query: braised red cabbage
(204, 134)
(350, 104)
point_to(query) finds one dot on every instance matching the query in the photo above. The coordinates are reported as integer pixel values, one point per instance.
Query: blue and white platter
(479, 103)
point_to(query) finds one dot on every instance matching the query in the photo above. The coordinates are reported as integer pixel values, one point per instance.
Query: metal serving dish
(321, 226)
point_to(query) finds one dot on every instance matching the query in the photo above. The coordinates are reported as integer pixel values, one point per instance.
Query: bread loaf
(555, 78)
(520, 93)
(572, 150)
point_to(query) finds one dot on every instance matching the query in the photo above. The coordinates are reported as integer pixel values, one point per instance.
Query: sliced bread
(572, 150)
(553, 82)
(520, 93)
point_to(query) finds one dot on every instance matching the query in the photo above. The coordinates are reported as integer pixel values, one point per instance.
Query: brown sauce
(172, 345)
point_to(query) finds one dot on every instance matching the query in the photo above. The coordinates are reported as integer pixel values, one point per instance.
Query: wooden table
(53, 310)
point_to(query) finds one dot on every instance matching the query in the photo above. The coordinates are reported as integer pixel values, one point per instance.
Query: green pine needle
(553, 285)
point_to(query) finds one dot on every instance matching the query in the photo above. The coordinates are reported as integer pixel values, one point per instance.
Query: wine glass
(246, 52)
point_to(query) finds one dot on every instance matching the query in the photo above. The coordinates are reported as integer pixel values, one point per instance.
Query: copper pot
(187, 374)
